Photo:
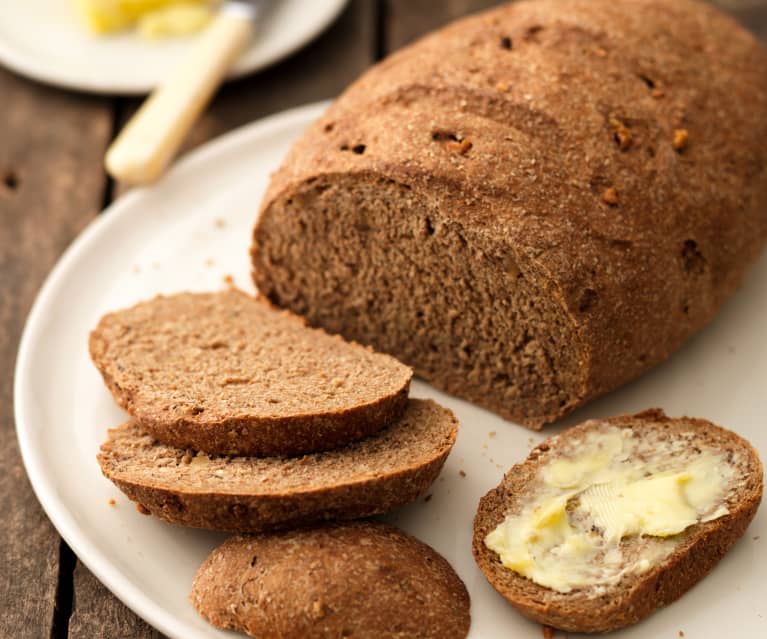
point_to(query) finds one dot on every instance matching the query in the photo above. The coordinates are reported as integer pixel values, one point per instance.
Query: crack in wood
(380, 30)
(62, 610)
(119, 114)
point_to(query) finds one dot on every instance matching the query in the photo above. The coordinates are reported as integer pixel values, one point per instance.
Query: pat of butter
(568, 473)
(175, 20)
(109, 16)
(574, 533)
(654, 506)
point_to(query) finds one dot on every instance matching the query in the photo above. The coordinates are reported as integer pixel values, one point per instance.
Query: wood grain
(98, 613)
(410, 19)
(51, 186)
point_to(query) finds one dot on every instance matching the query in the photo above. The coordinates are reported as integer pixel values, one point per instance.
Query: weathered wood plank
(410, 19)
(50, 188)
(750, 13)
(97, 613)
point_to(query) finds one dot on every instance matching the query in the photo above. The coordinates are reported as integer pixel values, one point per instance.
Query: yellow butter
(653, 506)
(567, 473)
(109, 16)
(570, 535)
(177, 19)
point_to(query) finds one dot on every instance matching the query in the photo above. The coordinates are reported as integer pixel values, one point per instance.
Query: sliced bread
(620, 585)
(229, 374)
(253, 494)
(366, 580)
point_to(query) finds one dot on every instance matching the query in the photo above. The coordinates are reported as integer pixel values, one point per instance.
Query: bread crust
(360, 579)
(611, 149)
(217, 361)
(365, 478)
(636, 596)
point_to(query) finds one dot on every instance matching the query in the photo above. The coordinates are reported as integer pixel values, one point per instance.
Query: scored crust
(635, 596)
(227, 373)
(240, 494)
(363, 580)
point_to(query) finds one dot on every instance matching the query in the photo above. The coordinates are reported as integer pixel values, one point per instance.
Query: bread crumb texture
(364, 580)
(229, 374)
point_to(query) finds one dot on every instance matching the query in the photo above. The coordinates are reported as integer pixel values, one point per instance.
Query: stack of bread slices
(243, 419)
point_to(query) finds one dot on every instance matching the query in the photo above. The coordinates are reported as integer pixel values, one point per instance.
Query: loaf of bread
(534, 205)
(361, 580)
(689, 489)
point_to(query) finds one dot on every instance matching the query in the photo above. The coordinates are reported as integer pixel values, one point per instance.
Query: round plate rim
(32, 459)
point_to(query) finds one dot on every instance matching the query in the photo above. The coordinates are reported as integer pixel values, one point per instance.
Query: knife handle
(147, 143)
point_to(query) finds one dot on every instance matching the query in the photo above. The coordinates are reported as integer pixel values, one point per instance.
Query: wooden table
(52, 184)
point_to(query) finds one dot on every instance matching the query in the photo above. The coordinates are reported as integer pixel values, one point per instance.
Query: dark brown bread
(229, 374)
(253, 494)
(635, 596)
(365, 580)
(533, 205)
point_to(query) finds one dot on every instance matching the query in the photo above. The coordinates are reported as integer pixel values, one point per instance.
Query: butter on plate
(152, 18)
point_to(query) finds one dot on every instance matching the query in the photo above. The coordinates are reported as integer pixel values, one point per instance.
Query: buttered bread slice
(229, 374)
(612, 519)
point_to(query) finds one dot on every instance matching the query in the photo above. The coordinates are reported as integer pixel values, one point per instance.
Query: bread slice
(365, 580)
(533, 205)
(693, 553)
(252, 494)
(227, 373)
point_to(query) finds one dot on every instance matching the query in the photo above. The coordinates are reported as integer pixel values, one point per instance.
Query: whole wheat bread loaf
(226, 373)
(692, 553)
(534, 205)
(252, 494)
(365, 580)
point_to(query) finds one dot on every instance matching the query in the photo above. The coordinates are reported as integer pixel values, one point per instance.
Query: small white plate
(191, 230)
(45, 40)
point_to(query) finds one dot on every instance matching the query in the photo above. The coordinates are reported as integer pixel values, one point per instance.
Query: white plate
(45, 40)
(188, 232)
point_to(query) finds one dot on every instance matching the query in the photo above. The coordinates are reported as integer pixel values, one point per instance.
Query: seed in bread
(227, 373)
(532, 248)
(251, 494)
(365, 580)
(612, 519)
